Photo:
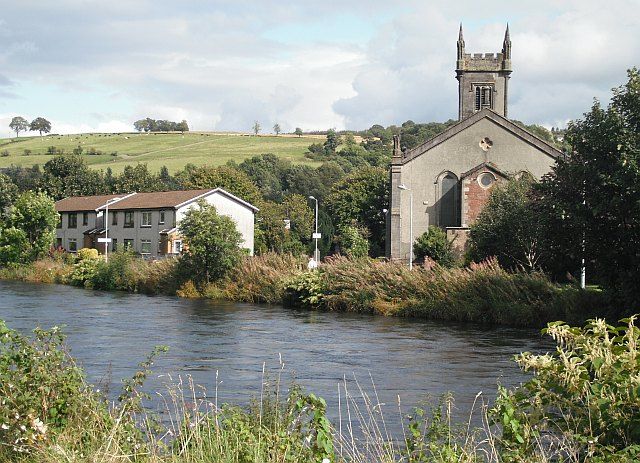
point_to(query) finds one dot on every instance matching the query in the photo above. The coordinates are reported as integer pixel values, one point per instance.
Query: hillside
(174, 150)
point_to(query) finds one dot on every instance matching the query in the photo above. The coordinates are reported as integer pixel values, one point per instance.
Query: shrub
(304, 290)
(434, 244)
(88, 254)
(589, 392)
(84, 271)
(4, 153)
(353, 242)
(41, 389)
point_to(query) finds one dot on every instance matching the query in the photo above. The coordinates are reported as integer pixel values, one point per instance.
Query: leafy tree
(142, 125)
(19, 124)
(69, 175)
(229, 178)
(167, 181)
(40, 124)
(305, 181)
(510, 228)
(212, 243)
(268, 172)
(277, 129)
(360, 198)
(256, 128)
(332, 142)
(182, 126)
(25, 178)
(30, 229)
(595, 191)
(8, 193)
(298, 131)
(353, 241)
(434, 244)
(136, 178)
(275, 236)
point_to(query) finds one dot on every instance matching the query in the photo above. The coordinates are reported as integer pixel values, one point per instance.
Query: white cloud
(212, 63)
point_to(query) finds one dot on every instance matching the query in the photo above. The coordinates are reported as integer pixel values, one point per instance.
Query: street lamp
(406, 188)
(316, 235)
(106, 227)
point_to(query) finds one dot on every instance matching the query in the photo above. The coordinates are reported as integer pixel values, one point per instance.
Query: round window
(486, 180)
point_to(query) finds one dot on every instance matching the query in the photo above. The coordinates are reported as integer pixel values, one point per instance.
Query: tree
(275, 236)
(19, 124)
(595, 192)
(509, 228)
(268, 172)
(40, 124)
(353, 241)
(360, 199)
(8, 194)
(136, 178)
(69, 175)
(142, 125)
(30, 228)
(434, 244)
(277, 129)
(212, 243)
(332, 142)
(229, 178)
(256, 128)
(298, 132)
(182, 126)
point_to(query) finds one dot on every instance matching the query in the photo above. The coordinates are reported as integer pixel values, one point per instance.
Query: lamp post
(106, 227)
(405, 188)
(316, 235)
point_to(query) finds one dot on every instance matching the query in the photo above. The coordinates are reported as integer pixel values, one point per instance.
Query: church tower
(483, 79)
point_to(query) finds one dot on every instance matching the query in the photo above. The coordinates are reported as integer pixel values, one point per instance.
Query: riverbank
(482, 293)
(553, 417)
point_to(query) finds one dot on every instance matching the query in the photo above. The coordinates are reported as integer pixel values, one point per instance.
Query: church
(447, 180)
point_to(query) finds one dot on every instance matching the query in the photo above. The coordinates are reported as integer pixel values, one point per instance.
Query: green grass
(162, 149)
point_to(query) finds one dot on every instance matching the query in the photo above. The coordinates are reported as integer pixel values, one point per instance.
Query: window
(73, 245)
(58, 243)
(449, 201)
(72, 221)
(128, 219)
(161, 221)
(177, 246)
(114, 244)
(145, 247)
(484, 97)
(85, 218)
(128, 245)
(146, 219)
(114, 218)
(486, 180)
(59, 224)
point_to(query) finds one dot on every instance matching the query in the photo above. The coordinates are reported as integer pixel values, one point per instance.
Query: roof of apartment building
(155, 200)
(83, 203)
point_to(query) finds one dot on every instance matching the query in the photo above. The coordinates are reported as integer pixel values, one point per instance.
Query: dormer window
(484, 97)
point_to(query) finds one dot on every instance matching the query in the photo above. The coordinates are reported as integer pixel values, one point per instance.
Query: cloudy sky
(95, 65)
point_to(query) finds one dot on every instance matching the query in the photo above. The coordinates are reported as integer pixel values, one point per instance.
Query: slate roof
(83, 203)
(155, 200)
(468, 122)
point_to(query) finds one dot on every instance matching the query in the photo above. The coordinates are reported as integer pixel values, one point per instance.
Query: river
(109, 333)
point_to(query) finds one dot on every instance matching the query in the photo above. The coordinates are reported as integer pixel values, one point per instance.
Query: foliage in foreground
(582, 405)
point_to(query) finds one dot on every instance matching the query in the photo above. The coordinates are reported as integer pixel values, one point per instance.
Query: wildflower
(39, 426)
(326, 460)
(4, 426)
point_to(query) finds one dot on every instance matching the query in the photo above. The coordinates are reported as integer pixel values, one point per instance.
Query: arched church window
(449, 201)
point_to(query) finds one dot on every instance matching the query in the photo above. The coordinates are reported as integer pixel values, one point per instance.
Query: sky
(95, 65)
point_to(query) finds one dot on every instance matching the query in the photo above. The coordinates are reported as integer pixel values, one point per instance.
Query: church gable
(485, 114)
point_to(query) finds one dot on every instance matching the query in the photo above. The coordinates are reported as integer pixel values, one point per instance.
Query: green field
(173, 150)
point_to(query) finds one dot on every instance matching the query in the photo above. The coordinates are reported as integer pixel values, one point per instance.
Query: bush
(353, 242)
(42, 389)
(588, 392)
(434, 244)
(88, 254)
(304, 290)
